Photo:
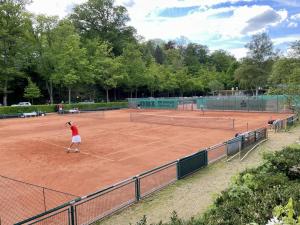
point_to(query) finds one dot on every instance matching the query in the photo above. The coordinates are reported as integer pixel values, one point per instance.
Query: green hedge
(52, 108)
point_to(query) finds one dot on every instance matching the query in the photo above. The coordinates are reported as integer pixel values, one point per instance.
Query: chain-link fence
(260, 103)
(20, 200)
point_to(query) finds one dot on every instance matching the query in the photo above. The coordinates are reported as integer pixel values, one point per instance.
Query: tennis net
(198, 122)
(85, 114)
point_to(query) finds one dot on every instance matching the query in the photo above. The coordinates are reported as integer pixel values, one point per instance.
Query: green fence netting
(268, 103)
(191, 163)
(276, 103)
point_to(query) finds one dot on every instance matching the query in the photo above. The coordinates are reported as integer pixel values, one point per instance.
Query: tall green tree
(107, 71)
(15, 25)
(104, 20)
(221, 60)
(71, 63)
(260, 48)
(45, 58)
(134, 67)
(285, 76)
(251, 76)
(194, 56)
(255, 69)
(32, 91)
(153, 77)
(295, 49)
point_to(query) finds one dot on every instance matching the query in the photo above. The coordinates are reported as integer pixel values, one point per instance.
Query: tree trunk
(5, 93)
(256, 91)
(130, 93)
(49, 86)
(69, 95)
(115, 94)
(136, 92)
(107, 95)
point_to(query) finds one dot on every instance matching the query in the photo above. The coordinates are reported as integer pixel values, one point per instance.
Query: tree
(107, 71)
(14, 26)
(295, 49)
(250, 76)
(102, 19)
(134, 68)
(32, 91)
(159, 55)
(221, 60)
(260, 48)
(153, 77)
(71, 64)
(184, 83)
(255, 69)
(215, 86)
(45, 59)
(194, 56)
(285, 76)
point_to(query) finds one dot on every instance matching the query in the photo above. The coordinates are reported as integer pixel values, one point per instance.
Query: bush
(52, 108)
(254, 193)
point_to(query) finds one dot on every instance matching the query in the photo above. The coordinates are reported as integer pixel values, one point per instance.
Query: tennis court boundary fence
(98, 205)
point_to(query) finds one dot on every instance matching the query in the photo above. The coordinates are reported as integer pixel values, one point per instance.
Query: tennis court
(113, 148)
(116, 145)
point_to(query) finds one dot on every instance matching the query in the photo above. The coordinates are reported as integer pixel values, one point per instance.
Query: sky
(219, 24)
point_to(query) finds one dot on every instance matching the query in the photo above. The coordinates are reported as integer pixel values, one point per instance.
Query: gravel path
(192, 196)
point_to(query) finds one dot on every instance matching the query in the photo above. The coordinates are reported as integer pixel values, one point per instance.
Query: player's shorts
(76, 139)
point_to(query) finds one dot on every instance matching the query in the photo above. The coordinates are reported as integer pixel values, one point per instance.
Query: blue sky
(219, 24)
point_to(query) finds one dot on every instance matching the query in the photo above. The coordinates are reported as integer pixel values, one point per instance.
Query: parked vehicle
(22, 104)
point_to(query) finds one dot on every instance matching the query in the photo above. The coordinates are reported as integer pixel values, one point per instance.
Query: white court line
(60, 146)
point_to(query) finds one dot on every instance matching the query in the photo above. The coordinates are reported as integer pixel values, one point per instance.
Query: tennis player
(76, 139)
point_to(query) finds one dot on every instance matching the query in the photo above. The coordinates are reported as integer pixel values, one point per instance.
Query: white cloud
(238, 52)
(52, 7)
(286, 39)
(295, 17)
(198, 25)
(293, 25)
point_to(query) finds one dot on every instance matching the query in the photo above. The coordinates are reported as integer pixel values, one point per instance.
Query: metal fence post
(72, 215)
(178, 169)
(137, 188)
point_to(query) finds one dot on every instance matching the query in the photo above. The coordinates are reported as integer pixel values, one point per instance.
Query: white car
(22, 104)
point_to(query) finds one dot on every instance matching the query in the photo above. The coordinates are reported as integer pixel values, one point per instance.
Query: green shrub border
(7, 110)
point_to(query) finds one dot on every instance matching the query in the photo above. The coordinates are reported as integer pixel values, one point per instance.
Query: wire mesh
(197, 122)
(20, 200)
(86, 114)
(270, 103)
(216, 152)
(100, 205)
(157, 179)
(61, 217)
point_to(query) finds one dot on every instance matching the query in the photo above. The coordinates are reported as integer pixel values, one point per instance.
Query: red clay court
(113, 148)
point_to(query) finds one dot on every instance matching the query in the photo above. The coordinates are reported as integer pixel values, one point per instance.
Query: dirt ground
(190, 197)
(113, 148)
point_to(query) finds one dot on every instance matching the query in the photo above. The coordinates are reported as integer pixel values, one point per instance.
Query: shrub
(52, 108)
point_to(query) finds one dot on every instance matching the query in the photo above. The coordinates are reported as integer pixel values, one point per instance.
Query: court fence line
(260, 103)
(98, 205)
(19, 200)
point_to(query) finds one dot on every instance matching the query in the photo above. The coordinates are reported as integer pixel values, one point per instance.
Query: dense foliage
(94, 55)
(257, 195)
(6, 110)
